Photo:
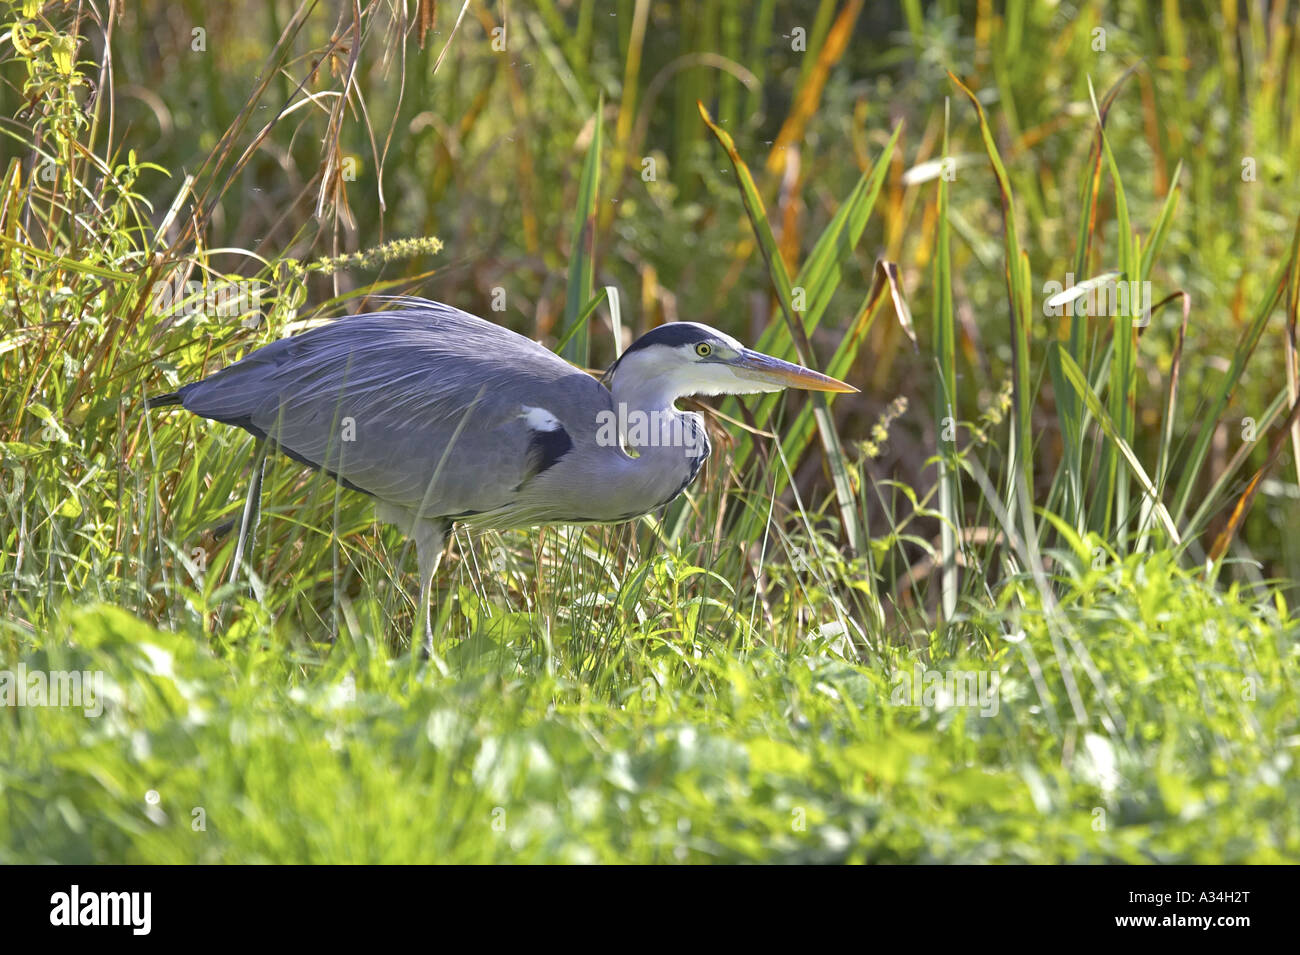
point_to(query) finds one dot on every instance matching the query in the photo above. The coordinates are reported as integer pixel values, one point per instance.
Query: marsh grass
(719, 681)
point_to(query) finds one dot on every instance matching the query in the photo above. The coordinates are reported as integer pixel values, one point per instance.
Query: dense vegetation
(1026, 598)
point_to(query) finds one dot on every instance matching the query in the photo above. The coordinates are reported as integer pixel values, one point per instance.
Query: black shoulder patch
(545, 448)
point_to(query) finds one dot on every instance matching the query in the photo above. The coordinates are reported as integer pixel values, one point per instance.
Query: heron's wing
(428, 408)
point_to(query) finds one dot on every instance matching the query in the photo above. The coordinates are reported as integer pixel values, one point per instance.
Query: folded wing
(427, 408)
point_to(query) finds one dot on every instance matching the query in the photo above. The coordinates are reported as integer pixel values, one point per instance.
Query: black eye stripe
(673, 334)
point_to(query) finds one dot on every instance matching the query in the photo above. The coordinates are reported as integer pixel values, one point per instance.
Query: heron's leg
(252, 511)
(429, 539)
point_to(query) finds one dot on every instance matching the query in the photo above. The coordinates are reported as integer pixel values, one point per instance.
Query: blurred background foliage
(487, 154)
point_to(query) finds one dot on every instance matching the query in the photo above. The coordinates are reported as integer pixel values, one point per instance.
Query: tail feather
(162, 401)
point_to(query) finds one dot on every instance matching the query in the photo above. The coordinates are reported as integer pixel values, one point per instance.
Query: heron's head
(687, 358)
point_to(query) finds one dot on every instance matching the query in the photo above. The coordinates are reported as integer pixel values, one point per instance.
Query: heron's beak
(755, 366)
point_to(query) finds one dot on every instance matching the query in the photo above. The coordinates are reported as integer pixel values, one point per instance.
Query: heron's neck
(646, 394)
(669, 445)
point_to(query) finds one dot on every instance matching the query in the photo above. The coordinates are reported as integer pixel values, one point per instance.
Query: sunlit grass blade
(1292, 357)
(1070, 411)
(1160, 231)
(582, 245)
(1243, 505)
(580, 322)
(1122, 391)
(1216, 496)
(1250, 336)
(781, 282)
(1019, 301)
(884, 287)
(945, 396)
(820, 277)
(1079, 382)
(1175, 380)
(627, 107)
(816, 67)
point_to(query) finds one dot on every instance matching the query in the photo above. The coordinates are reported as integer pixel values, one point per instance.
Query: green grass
(270, 752)
(1096, 527)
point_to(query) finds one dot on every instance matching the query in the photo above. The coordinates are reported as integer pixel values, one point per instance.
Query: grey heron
(443, 417)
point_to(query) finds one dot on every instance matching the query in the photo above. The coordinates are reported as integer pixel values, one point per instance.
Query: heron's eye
(704, 349)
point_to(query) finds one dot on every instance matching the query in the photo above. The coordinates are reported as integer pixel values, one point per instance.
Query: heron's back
(428, 408)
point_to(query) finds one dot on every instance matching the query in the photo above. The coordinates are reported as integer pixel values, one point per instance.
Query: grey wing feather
(422, 407)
